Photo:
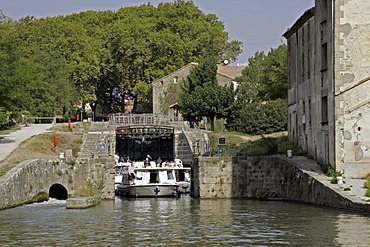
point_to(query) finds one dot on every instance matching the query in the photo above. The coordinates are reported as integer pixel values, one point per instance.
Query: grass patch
(42, 146)
(367, 185)
(9, 130)
(232, 139)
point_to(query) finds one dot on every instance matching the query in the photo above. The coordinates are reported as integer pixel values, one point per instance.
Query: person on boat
(159, 162)
(167, 163)
(146, 162)
(131, 173)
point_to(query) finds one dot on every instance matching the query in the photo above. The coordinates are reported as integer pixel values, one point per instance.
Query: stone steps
(189, 143)
(99, 140)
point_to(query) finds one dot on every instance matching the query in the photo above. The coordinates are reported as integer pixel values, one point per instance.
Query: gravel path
(11, 141)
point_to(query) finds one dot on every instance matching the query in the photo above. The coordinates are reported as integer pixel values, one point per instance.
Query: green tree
(108, 56)
(265, 77)
(4, 117)
(260, 117)
(275, 74)
(202, 96)
(261, 105)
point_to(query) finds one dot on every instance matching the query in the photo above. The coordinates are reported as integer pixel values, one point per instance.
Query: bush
(329, 171)
(270, 146)
(367, 184)
(260, 118)
(324, 168)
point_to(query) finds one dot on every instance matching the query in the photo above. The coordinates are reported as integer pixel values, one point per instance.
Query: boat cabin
(154, 176)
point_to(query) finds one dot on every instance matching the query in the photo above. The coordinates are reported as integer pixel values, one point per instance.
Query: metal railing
(138, 119)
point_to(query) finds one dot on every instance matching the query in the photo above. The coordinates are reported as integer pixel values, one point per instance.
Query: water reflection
(182, 222)
(352, 230)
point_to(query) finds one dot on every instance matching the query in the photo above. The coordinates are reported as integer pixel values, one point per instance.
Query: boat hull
(151, 190)
(184, 187)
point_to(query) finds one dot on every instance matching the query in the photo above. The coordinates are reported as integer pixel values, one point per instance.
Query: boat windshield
(170, 175)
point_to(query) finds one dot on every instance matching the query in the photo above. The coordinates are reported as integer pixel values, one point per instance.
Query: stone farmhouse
(329, 84)
(226, 74)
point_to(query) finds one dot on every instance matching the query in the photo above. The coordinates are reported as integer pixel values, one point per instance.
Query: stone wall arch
(58, 192)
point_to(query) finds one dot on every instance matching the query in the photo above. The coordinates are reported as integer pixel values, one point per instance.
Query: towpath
(355, 187)
(11, 141)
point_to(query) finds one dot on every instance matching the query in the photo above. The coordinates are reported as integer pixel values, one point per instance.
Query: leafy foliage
(259, 117)
(261, 105)
(49, 66)
(270, 146)
(367, 186)
(202, 96)
(4, 117)
(265, 77)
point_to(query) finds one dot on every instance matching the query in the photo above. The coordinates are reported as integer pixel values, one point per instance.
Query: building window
(161, 83)
(176, 79)
(324, 110)
(324, 56)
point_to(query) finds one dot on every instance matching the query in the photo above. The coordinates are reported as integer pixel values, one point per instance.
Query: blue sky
(259, 24)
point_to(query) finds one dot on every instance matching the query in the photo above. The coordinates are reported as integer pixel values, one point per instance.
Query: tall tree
(202, 96)
(108, 56)
(261, 105)
(265, 77)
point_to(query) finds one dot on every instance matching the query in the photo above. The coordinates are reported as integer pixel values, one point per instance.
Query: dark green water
(183, 222)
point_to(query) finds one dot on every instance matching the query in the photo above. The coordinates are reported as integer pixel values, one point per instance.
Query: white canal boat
(182, 176)
(164, 180)
(149, 181)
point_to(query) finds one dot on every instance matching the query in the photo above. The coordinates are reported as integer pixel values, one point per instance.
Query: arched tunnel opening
(58, 192)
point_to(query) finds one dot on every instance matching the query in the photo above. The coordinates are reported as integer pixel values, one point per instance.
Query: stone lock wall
(266, 178)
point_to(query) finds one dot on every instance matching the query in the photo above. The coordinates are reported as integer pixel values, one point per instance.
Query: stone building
(329, 84)
(225, 75)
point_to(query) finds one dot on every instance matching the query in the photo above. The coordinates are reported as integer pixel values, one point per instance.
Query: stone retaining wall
(32, 177)
(267, 178)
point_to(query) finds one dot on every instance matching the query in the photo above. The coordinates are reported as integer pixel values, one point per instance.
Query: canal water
(183, 222)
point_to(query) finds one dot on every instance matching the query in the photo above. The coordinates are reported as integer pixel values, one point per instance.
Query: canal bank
(297, 179)
(268, 178)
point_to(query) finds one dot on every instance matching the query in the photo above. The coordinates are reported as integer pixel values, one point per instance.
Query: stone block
(68, 153)
(82, 202)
